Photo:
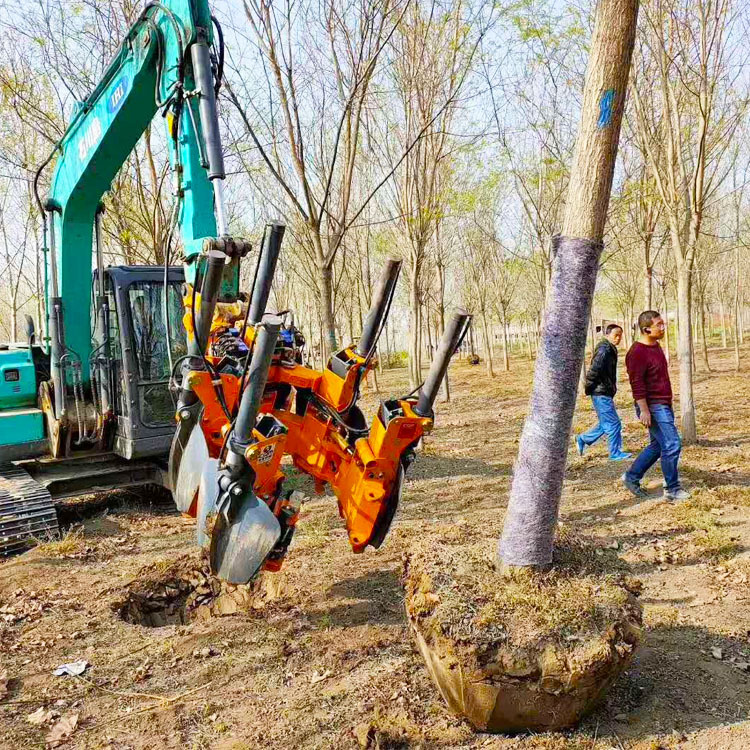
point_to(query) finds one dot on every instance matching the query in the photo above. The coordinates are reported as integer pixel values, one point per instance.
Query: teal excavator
(87, 406)
(91, 407)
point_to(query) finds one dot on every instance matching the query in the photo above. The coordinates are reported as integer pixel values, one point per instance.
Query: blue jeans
(609, 425)
(665, 444)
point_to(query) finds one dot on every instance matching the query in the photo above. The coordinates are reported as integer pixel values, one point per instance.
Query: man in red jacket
(652, 392)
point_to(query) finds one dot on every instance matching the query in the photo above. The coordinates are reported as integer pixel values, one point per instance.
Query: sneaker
(634, 487)
(581, 445)
(621, 457)
(676, 496)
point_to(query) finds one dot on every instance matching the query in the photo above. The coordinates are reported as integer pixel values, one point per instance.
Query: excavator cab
(144, 346)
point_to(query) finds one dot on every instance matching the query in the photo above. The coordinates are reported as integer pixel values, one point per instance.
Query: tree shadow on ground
(378, 600)
(644, 567)
(444, 467)
(714, 478)
(676, 684)
(729, 442)
(595, 515)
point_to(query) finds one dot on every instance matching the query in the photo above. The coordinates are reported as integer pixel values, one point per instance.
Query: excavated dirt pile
(525, 650)
(179, 592)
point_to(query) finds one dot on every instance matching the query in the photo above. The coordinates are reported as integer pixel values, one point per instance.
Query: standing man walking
(601, 385)
(652, 392)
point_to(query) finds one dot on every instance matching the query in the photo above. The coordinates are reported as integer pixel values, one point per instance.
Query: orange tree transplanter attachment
(310, 415)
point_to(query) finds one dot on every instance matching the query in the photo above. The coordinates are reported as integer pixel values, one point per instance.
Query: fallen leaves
(41, 716)
(60, 733)
(3, 684)
(143, 671)
(320, 676)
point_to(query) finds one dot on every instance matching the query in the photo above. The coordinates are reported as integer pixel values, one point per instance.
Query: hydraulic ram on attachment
(247, 414)
(243, 529)
(269, 255)
(381, 301)
(452, 336)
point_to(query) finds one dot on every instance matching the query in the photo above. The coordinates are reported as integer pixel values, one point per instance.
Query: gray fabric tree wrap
(529, 529)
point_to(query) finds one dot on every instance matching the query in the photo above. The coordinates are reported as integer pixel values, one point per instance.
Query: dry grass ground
(326, 660)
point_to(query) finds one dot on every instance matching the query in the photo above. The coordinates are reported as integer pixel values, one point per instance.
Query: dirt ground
(325, 659)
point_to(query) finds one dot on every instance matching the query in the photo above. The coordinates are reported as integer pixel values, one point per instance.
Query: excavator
(171, 375)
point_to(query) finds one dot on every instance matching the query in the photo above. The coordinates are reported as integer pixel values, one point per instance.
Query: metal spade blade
(239, 550)
(389, 511)
(208, 494)
(192, 463)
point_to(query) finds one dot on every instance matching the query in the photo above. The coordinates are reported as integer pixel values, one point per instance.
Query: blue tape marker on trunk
(605, 108)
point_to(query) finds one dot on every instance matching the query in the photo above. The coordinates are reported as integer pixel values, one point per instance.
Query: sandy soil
(325, 659)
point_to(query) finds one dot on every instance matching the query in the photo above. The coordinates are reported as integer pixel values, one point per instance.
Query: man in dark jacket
(601, 385)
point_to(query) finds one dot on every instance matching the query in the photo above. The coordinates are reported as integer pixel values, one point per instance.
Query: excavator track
(27, 512)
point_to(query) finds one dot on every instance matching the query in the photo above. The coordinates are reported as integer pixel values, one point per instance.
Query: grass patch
(461, 590)
(661, 615)
(71, 544)
(732, 494)
(313, 530)
(719, 497)
(712, 540)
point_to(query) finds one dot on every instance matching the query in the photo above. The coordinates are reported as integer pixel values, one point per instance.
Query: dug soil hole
(179, 592)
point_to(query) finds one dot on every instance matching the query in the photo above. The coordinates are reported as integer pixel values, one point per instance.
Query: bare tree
(432, 53)
(314, 165)
(686, 113)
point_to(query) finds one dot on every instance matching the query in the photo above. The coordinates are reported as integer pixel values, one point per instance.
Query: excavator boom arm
(152, 70)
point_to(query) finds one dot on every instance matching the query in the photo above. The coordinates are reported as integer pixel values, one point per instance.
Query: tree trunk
(737, 315)
(441, 321)
(429, 332)
(528, 340)
(414, 305)
(685, 352)
(741, 330)
(704, 344)
(325, 291)
(666, 325)
(388, 347)
(487, 345)
(723, 323)
(531, 520)
(14, 319)
(506, 358)
(648, 288)
(321, 345)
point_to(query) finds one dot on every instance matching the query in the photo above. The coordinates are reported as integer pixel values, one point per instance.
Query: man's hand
(645, 416)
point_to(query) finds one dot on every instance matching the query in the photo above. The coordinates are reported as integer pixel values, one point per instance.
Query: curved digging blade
(383, 524)
(239, 550)
(208, 494)
(192, 463)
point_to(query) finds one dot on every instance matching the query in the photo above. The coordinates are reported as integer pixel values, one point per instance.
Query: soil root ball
(523, 650)
(182, 591)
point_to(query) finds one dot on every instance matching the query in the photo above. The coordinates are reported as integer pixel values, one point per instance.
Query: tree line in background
(438, 132)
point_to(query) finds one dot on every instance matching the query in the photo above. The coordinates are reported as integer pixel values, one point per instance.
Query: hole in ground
(179, 592)
(151, 498)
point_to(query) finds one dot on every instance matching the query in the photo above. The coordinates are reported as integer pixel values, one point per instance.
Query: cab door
(149, 341)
